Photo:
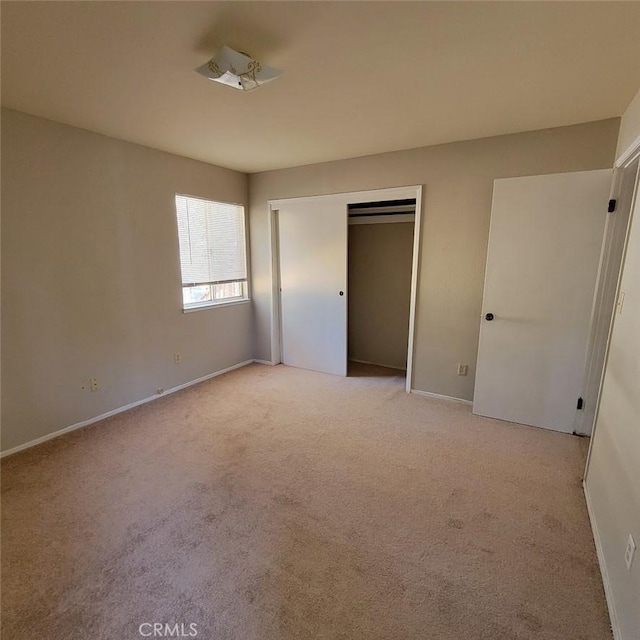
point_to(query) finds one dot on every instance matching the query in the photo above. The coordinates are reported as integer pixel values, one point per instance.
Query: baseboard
(267, 362)
(439, 396)
(377, 364)
(615, 627)
(113, 412)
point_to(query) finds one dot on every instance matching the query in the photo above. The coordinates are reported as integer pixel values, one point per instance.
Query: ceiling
(359, 77)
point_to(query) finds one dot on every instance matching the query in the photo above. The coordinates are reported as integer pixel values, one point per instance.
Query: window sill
(216, 305)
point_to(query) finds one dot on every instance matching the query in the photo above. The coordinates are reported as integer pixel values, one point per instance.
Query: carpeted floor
(281, 504)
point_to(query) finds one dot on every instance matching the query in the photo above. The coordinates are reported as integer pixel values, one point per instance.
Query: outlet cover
(463, 369)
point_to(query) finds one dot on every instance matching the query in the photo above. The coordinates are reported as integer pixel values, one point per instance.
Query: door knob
(342, 293)
(489, 317)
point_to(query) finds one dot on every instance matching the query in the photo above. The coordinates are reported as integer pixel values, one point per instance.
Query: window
(213, 257)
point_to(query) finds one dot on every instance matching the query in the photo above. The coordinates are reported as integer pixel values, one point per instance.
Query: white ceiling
(359, 77)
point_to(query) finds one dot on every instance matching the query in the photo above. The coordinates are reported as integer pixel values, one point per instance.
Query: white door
(544, 250)
(313, 282)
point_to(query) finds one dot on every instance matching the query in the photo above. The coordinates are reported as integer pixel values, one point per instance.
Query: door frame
(602, 314)
(625, 160)
(352, 197)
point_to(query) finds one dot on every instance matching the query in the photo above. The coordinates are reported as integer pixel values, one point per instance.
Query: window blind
(212, 241)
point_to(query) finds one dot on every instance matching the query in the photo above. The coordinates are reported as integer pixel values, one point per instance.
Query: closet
(344, 278)
(380, 251)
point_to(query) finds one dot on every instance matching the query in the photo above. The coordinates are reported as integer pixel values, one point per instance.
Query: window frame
(225, 302)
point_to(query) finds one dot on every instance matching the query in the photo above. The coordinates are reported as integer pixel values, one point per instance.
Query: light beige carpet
(278, 504)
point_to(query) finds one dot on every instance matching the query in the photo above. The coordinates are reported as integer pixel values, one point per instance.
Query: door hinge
(612, 205)
(580, 404)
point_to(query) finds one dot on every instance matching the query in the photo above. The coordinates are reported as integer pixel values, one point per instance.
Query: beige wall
(379, 292)
(91, 277)
(613, 476)
(458, 181)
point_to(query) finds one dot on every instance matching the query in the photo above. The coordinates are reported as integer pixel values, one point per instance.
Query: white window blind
(211, 236)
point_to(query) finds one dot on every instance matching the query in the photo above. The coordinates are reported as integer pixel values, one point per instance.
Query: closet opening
(380, 260)
(311, 238)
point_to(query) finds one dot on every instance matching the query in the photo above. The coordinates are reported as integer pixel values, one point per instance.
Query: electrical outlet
(176, 357)
(94, 384)
(463, 369)
(629, 551)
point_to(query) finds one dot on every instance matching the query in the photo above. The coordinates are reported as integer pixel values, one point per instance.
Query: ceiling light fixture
(237, 70)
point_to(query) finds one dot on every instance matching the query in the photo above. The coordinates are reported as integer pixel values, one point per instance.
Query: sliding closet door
(313, 281)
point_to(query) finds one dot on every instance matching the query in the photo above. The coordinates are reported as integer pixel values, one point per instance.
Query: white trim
(274, 276)
(438, 396)
(352, 197)
(632, 152)
(377, 364)
(629, 155)
(598, 315)
(113, 412)
(215, 305)
(415, 265)
(207, 199)
(613, 617)
(267, 362)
